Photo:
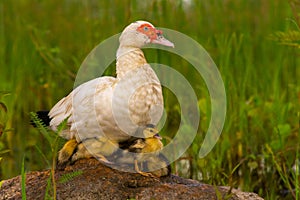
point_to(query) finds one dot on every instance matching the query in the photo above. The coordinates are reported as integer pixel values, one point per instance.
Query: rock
(97, 181)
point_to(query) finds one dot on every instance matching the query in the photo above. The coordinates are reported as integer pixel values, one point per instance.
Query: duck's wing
(79, 107)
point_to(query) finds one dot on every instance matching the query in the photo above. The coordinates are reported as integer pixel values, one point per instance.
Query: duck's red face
(154, 35)
(150, 31)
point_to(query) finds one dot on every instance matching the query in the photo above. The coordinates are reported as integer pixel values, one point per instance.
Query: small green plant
(69, 176)
(54, 141)
(289, 176)
(3, 128)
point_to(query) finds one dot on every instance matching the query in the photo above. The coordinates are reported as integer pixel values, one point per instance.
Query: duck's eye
(159, 33)
(146, 28)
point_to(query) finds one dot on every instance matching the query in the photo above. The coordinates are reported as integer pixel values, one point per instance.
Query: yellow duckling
(148, 142)
(92, 147)
(132, 152)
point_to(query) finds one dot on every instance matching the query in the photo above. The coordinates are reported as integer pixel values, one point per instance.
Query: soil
(97, 181)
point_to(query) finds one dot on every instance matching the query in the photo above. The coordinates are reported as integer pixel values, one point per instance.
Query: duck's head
(140, 33)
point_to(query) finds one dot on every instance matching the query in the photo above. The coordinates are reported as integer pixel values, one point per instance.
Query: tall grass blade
(43, 155)
(23, 180)
(48, 189)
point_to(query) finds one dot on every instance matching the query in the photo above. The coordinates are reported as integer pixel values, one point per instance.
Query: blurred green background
(255, 44)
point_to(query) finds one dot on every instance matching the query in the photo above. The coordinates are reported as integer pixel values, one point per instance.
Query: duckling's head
(148, 131)
(151, 132)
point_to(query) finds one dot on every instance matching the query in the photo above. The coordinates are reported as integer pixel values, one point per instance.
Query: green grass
(44, 42)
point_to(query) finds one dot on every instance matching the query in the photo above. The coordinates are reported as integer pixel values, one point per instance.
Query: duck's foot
(137, 169)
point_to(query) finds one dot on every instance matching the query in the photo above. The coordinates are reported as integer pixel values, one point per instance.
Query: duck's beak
(161, 40)
(158, 136)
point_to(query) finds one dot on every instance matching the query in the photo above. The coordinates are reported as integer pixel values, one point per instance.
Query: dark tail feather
(43, 115)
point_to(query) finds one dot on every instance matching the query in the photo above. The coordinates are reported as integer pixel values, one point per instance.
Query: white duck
(111, 109)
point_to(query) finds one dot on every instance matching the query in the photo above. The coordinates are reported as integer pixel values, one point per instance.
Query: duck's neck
(129, 58)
